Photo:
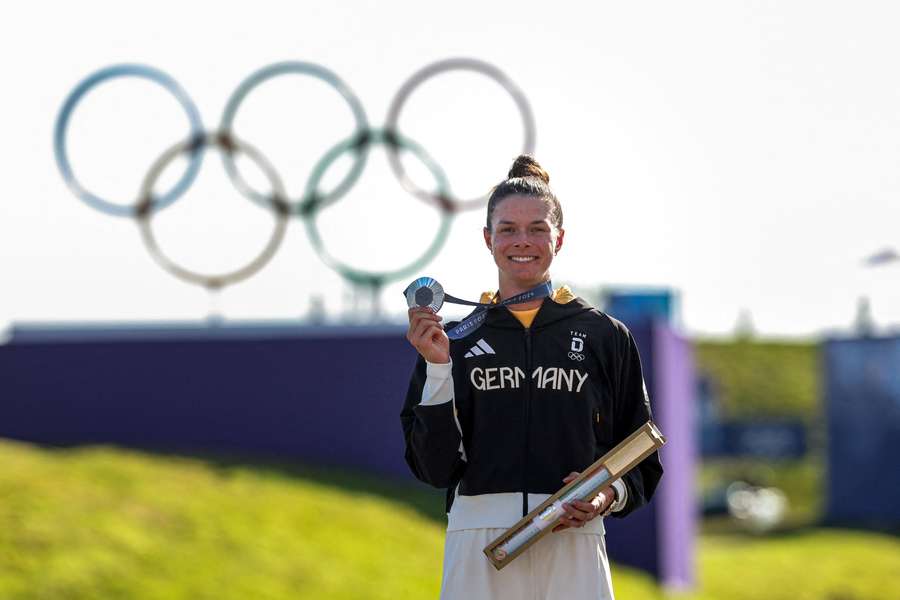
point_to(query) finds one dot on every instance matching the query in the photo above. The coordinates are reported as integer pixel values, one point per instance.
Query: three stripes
(480, 347)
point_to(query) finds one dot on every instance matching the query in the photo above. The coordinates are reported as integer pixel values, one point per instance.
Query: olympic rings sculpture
(306, 207)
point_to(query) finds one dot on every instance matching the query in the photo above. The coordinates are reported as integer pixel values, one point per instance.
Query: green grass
(813, 564)
(804, 565)
(104, 523)
(101, 523)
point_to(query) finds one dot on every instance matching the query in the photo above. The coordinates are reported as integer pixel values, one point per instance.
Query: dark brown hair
(526, 177)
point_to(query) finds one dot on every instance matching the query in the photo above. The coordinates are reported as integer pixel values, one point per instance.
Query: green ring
(317, 201)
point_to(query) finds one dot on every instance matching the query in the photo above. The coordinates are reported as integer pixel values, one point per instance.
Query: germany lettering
(510, 378)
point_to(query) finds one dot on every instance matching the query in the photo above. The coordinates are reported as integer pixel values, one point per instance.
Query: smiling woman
(506, 414)
(524, 229)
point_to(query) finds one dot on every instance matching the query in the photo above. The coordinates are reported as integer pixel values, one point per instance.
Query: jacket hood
(561, 305)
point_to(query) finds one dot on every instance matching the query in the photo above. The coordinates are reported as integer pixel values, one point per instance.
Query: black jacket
(531, 405)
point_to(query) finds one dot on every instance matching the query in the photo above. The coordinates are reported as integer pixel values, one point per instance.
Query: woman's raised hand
(427, 336)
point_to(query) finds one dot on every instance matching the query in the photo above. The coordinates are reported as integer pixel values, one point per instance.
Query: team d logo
(576, 349)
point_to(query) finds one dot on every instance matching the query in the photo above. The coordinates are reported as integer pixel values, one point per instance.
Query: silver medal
(425, 292)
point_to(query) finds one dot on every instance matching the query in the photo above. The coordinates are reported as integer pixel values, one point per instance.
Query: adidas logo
(480, 347)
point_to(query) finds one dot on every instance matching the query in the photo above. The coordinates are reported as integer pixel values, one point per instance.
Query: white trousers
(568, 565)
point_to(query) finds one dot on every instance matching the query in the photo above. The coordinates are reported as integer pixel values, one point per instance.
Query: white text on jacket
(549, 378)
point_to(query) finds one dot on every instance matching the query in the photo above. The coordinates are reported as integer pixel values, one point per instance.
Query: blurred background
(728, 174)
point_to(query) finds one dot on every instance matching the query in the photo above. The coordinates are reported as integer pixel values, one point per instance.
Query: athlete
(506, 415)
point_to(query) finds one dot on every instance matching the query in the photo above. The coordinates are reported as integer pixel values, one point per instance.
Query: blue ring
(301, 205)
(62, 125)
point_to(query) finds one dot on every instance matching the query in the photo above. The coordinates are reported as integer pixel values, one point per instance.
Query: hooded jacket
(517, 409)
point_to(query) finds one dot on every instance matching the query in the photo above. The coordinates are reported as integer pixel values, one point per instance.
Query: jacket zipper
(527, 421)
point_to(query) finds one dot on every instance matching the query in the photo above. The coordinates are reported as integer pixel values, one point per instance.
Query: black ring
(301, 205)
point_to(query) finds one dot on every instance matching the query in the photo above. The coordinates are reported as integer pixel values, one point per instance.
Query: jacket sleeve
(434, 449)
(632, 410)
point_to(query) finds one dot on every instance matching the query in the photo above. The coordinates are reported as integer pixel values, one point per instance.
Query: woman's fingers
(427, 336)
(425, 332)
(585, 507)
(562, 525)
(575, 517)
(419, 320)
(578, 512)
(431, 342)
(575, 513)
(571, 476)
(567, 522)
(419, 311)
(417, 316)
(417, 328)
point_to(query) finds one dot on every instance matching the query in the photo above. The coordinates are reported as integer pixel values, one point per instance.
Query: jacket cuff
(621, 494)
(438, 388)
(438, 370)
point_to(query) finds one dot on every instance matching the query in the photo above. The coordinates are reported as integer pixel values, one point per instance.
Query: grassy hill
(105, 523)
(102, 523)
(759, 378)
(766, 379)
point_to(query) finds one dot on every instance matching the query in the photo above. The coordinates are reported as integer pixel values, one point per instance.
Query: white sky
(745, 154)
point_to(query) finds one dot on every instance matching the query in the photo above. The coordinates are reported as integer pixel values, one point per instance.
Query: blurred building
(861, 381)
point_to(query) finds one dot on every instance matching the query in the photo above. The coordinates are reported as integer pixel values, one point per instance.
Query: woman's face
(522, 240)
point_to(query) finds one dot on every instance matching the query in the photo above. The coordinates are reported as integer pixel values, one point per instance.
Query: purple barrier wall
(329, 396)
(677, 507)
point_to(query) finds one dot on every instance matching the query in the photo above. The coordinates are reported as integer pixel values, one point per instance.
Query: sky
(744, 155)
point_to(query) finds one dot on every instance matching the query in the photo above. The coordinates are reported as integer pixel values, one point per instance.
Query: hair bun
(526, 166)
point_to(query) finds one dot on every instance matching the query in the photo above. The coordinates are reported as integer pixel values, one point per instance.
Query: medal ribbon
(476, 319)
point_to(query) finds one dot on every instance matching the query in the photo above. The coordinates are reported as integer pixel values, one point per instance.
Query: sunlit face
(522, 240)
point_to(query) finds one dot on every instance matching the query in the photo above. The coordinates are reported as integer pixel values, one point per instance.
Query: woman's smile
(523, 240)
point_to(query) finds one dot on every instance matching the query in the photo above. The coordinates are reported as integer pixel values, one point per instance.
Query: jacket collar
(550, 312)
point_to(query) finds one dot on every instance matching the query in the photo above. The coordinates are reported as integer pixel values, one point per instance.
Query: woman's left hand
(578, 512)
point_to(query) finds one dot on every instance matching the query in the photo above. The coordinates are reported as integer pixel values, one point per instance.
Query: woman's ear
(559, 241)
(487, 239)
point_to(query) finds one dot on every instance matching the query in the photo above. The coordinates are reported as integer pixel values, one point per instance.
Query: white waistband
(489, 511)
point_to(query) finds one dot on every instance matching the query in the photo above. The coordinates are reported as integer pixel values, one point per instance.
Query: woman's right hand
(427, 336)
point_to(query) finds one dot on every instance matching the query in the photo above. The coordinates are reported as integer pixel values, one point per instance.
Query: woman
(506, 415)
